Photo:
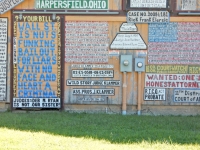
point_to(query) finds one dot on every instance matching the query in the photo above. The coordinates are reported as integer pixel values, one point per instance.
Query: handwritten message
(86, 42)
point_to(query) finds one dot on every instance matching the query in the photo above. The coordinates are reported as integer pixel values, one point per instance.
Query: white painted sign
(128, 41)
(91, 66)
(93, 83)
(186, 95)
(3, 29)
(172, 80)
(14, 50)
(148, 16)
(188, 4)
(91, 99)
(86, 42)
(93, 92)
(128, 27)
(3, 56)
(6, 5)
(36, 102)
(148, 3)
(154, 94)
(92, 73)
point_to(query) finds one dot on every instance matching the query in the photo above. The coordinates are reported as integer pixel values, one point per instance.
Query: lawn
(62, 130)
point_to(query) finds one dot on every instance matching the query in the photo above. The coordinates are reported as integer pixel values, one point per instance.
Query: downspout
(124, 94)
(139, 94)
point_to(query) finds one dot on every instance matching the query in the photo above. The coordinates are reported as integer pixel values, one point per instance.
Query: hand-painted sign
(91, 99)
(93, 92)
(93, 83)
(128, 27)
(187, 4)
(6, 5)
(3, 57)
(148, 16)
(89, 66)
(172, 80)
(174, 43)
(36, 102)
(37, 68)
(72, 4)
(127, 41)
(86, 42)
(148, 3)
(92, 73)
(154, 94)
(174, 69)
(187, 95)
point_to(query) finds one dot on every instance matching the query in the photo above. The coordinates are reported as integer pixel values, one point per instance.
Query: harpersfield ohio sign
(72, 4)
(6, 5)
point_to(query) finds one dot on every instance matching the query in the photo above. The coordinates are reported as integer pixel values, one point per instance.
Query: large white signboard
(186, 95)
(92, 73)
(36, 102)
(154, 94)
(3, 56)
(128, 41)
(6, 5)
(148, 3)
(172, 80)
(93, 92)
(93, 83)
(148, 16)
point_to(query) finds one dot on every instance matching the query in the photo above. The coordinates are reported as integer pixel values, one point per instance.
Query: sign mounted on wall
(6, 5)
(154, 94)
(186, 95)
(72, 4)
(148, 16)
(125, 41)
(36, 61)
(3, 57)
(128, 27)
(148, 3)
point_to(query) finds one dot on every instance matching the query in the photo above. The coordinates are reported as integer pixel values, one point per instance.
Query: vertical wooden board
(115, 4)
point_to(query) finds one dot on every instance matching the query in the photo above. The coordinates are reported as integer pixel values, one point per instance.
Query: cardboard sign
(147, 16)
(93, 92)
(187, 95)
(154, 94)
(92, 73)
(36, 102)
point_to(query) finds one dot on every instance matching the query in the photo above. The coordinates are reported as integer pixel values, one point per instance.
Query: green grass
(62, 130)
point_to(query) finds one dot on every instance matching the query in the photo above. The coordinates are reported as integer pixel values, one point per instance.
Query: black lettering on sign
(154, 94)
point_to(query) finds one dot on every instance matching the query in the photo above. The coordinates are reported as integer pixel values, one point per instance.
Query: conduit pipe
(139, 94)
(124, 94)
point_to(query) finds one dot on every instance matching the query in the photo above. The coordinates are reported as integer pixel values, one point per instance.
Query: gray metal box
(126, 62)
(139, 65)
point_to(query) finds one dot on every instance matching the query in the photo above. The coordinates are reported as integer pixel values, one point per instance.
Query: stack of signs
(3, 56)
